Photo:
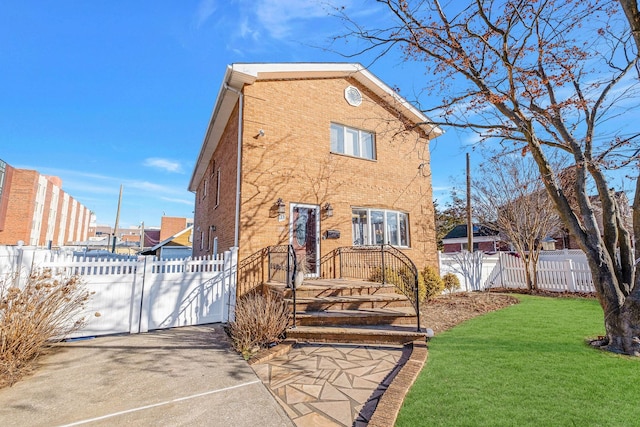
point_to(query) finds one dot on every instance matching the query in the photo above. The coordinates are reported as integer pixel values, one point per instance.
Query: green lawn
(527, 364)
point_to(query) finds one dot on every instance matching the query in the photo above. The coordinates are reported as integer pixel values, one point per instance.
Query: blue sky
(108, 93)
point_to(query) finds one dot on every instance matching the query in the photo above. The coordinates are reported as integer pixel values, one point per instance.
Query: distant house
(317, 155)
(485, 239)
(173, 240)
(176, 246)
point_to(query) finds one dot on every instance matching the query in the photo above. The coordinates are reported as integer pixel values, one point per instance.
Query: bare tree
(509, 194)
(632, 310)
(540, 77)
(454, 213)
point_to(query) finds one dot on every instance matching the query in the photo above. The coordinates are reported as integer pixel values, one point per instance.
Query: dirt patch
(446, 311)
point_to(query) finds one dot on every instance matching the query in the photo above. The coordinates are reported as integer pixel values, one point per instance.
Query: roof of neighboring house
(168, 240)
(460, 231)
(238, 75)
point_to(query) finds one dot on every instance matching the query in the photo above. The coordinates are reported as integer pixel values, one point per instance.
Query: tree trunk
(531, 275)
(621, 314)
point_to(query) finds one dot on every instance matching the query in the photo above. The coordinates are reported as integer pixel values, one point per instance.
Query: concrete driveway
(182, 376)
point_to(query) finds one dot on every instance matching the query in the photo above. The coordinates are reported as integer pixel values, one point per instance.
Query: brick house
(35, 210)
(318, 155)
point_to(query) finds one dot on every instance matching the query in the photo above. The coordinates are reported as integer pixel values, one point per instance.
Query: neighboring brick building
(35, 210)
(331, 147)
(171, 225)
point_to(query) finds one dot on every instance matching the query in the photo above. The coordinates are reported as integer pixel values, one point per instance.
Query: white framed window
(352, 142)
(379, 226)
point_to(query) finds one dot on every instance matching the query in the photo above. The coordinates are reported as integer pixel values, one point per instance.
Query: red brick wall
(292, 161)
(24, 185)
(222, 216)
(4, 200)
(170, 225)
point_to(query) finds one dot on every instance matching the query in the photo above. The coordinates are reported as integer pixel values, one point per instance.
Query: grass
(527, 364)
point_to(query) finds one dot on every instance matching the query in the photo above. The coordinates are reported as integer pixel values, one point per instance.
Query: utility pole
(115, 230)
(469, 223)
(142, 237)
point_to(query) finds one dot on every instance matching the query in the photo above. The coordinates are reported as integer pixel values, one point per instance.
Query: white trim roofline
(240, 74)
(168, 239)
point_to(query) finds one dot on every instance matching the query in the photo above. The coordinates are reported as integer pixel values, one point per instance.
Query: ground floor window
(379, 226)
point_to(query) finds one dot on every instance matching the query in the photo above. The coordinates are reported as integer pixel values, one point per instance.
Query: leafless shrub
(451, 282)
(43, 311)
(260, 320)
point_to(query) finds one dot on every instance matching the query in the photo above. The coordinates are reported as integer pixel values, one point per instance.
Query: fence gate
(132, 296)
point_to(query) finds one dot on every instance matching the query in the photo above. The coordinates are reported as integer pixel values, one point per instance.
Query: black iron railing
(271, 264)
(251, 272)
(383, 264)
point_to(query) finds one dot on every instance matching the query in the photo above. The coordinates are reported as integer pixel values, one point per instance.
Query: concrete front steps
(354, 334)
(349, 311)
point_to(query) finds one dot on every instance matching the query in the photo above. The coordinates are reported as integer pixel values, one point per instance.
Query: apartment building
(36, 211)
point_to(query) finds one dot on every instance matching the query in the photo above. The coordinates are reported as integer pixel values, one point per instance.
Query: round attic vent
(353, 96)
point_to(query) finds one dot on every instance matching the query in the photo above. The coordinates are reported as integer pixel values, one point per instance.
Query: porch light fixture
(280, 206)
(328, 210)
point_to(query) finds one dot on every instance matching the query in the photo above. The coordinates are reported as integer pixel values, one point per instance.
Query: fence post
(136, 297)
(145, 297)
(569, 276)
(500, 255)
(18, 265)
(229, 273)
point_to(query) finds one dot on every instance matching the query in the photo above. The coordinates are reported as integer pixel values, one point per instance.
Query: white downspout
(236, 237)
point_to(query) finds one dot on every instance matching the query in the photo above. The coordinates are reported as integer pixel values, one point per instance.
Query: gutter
(236, 235)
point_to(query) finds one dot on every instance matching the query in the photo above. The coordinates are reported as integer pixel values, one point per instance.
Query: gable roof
(168, 240)
(460, 231)
(240, 74)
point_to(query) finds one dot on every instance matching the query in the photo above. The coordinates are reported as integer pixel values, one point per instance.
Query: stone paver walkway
(331, 384)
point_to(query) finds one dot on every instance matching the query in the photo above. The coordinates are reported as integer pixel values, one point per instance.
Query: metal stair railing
(382, 263)
(281, 266)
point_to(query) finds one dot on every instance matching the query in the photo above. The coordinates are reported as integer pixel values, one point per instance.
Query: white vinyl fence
(139, 295)
(558, 271)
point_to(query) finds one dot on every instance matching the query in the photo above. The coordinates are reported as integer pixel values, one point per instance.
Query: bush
(403, 279)
(432, 282)
(259, 322)
(451, 282)
(31, 318)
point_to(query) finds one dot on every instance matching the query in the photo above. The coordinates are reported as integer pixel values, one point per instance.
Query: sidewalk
(183, 376)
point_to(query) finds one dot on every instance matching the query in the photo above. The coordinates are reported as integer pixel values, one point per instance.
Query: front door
(304, 230)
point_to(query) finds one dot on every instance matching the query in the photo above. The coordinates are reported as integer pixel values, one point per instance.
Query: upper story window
(352, 142)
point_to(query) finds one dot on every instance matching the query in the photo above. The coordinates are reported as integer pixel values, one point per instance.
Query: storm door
(304, 236)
